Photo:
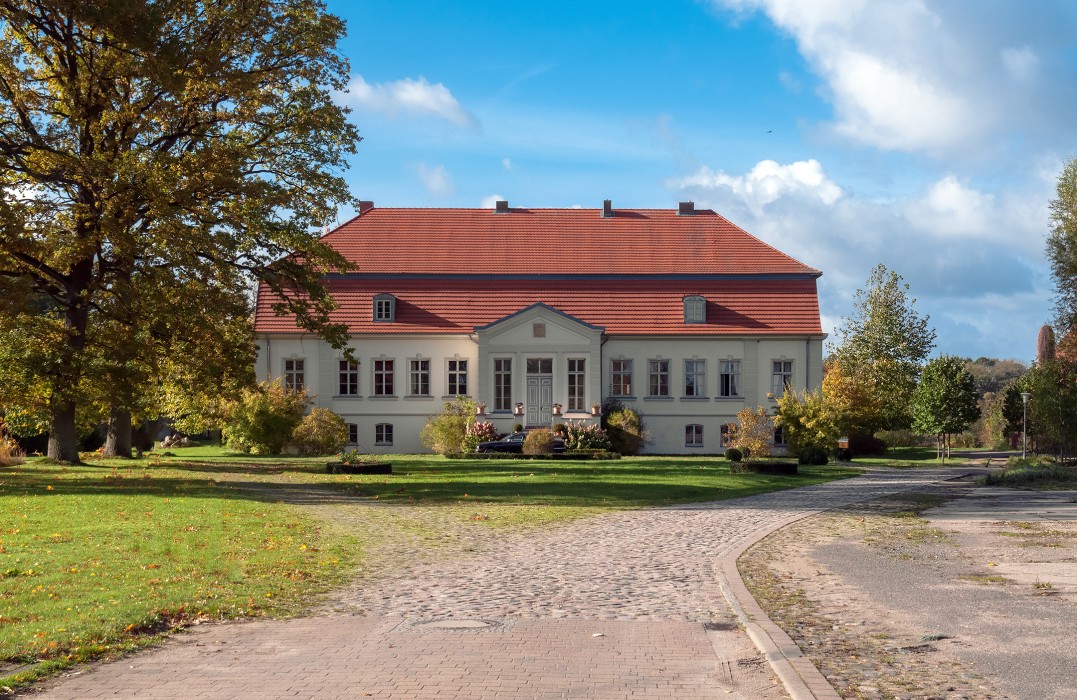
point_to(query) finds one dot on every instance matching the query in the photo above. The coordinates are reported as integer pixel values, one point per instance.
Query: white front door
(539, 400)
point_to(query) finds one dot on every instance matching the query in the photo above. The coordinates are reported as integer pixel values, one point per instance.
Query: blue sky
(925, 136)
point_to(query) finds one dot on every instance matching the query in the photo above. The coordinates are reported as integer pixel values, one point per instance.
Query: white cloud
(966, 253)
(1020, 62)
(411, 97)
(939, 78)
(506, 164)
(435, 179)
(491, 201)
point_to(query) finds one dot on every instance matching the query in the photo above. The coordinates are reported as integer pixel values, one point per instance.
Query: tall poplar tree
(1062, 248)
(156, 158)
(881, 348)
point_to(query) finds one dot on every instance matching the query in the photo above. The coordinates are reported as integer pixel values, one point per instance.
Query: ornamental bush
(538, 442)
(263, 419)
(446, 432)
(581, 436)
(321, 432)
(733, 454)
(479, 431)
(625, 430)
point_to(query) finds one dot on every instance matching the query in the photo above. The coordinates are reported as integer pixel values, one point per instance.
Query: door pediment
(539, 325)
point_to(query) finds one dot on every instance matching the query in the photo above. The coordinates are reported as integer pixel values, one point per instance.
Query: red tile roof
(554, 241)
(432, 305)
(454, 269)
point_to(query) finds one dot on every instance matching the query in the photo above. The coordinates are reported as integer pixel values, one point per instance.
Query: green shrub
(446, 432)
(321, 432)
(263, 419)
(625, 430)
(582, 436)
(733, 454)
(813, 454)
(538, 442)
(517, 427)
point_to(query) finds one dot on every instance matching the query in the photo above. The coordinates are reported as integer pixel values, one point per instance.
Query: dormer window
(384, 308)
(695, 310)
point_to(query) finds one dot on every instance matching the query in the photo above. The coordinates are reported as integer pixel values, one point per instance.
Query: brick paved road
(610, 607)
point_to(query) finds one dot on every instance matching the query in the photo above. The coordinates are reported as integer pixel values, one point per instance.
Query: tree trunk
(118, 439)
(63, 438)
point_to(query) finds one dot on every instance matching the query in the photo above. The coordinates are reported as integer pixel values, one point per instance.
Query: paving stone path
(616, 606)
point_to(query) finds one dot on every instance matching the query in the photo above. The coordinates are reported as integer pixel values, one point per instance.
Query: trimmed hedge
(775, 468)
(813, 454)
(734, 455)
(570, 455)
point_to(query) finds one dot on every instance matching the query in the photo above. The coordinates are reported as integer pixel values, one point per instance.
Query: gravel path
(617, 606)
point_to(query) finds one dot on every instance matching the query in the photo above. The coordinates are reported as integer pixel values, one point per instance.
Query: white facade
(686, 387)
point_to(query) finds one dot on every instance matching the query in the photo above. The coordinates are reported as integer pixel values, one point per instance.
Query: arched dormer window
(695, 309)
(384, 308)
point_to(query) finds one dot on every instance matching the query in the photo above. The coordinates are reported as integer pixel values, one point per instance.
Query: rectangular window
(779, 436)
(383, 434)
(693, 436)
(727, 434)
(383, 378)
(695, 377)
(353, 434)
(621, 377)
(349, 378)
(729, 381)
(782, 378)
(695, 310)
(542, 365)
(293, 374)
(384, 308)
(419, 378)
(457, 377)
(658, 377)
(502, 384)
(576, 385)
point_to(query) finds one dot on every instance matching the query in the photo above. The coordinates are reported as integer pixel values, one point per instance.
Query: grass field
(102, 558)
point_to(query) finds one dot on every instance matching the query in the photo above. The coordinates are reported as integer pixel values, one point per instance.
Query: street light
(1024, 421)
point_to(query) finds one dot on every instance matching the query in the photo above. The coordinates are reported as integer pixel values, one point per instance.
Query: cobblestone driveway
(617, 606)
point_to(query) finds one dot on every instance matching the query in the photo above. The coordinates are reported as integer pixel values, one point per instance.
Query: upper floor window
(383, 377)
(293, 374)
(658, 377)
(729, 379)
(695, 377)
(384, 308)
(349, 378)
(576, 384)
(419, 378)
(457, 377)
(782, 377)
(621, 377)
(695, 310)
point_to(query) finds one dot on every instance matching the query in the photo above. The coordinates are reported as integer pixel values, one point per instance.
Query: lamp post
(1024, 422)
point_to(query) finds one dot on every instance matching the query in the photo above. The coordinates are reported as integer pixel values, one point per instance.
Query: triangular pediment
(539, 325)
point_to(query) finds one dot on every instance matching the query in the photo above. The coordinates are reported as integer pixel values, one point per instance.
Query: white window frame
(347, 377)
(384, 308)
(383, 434)
(295, 373)
(576, 384)
(353, 433)
(695, 378)
(418, 376)
(729, 379)
(384, 376)
(456, 376)
(657, 370)
(503, 383)
(618, 377)
(695, 309)
(693, 435)
(781, 377)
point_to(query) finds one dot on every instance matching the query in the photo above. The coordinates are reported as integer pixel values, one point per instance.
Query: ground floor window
(779, 436)
(727, 434)
(383, 434)
(502, 384)
(293, 374)
(353, 434)
(576, 385)
(693, 435)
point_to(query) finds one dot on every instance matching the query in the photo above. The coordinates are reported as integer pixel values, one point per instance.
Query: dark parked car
(514, 442)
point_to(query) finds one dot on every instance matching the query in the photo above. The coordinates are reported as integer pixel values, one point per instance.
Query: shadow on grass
(623, 484)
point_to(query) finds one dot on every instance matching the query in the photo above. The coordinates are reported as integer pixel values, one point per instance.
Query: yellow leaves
(149, 567)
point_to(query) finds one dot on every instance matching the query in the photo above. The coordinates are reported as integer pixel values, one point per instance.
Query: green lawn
(101, 558)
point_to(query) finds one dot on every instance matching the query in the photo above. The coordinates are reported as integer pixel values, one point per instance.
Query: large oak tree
(157, 157)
